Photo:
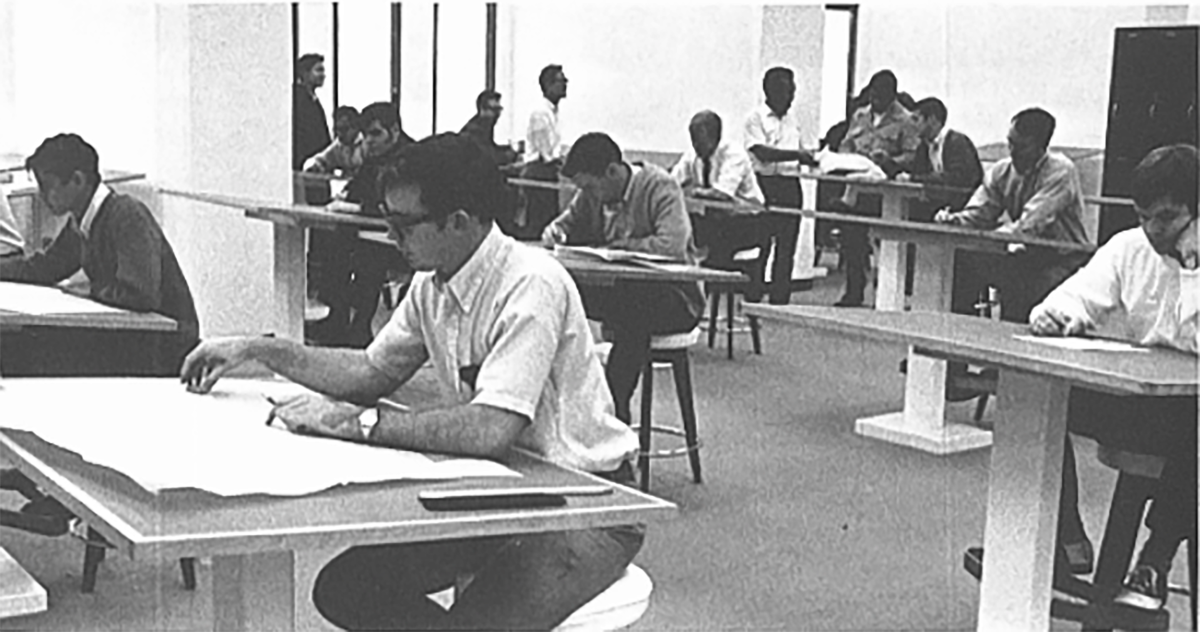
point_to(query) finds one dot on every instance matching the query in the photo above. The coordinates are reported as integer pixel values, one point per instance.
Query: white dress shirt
(89, 216)
(543, 138)
(935, 151)
(764, 127)
(730, 172)
(1157, 297)
(514, 312)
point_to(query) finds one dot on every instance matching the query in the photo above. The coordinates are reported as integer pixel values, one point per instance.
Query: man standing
(1039, 190)
(354, 270)
(118, 244)
(883, 131)
(716, 170)
(544, 150)
(773, 140)
(510, 313)
(630, 207)
(310, 131)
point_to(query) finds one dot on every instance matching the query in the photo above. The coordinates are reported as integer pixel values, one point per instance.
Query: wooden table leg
(291, 280)
(922, 424)
(254, 592)
(1022, 512)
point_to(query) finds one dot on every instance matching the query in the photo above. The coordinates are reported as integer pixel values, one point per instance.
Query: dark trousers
(1024, 279)
(524, 582)
(347, 274)
(784, 229)
(1160, 426)
(633, 312)
(856, 246)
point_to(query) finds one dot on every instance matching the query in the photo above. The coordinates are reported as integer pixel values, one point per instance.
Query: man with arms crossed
(479, 301)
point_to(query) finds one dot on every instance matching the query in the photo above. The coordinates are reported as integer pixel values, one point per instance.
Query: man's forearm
(775, 154)
(339, 373)
(466, 429)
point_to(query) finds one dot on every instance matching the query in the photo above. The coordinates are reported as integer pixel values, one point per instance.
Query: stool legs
(714, 309)
(729, 313)
(754, 334)
(93, 554)
(681, 367)
(644, 428)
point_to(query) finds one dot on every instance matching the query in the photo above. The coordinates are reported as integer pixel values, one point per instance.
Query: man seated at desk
(344, 155)
(348, 273)
(715, 170)
(115, 240)
(505, 329)
(1150, 278)
(1039, 191)
(12, 244)
(629, 207)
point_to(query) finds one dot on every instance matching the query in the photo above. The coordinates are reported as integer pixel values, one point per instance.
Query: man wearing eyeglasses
(505, 331)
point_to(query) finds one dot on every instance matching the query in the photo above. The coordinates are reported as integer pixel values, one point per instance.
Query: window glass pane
(416, 68)
(462, 39)
(364, 53)
(315, 35)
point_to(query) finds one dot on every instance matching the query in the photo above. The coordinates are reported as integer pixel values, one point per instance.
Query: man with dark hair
(112, 237)
(345, 154)
(945, 157)
(504, 329)
(482, 127)
(544, 150)
(775, 143)
(883, 131)
(354, 270)
(1148, 278)
(1039, 190)
(629, 207)
(310, 131)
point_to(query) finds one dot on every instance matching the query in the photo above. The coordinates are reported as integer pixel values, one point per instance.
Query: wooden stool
(618, 607)
(747, 262)
(671, 349)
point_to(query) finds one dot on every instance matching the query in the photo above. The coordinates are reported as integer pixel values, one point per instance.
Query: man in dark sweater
(127, 259)
(349, 272)
(310, 131)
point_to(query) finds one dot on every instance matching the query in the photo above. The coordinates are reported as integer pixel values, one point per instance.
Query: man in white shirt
(716, 170)
(1149, 277)
(773, 139)
(505, 330)
(544, 152)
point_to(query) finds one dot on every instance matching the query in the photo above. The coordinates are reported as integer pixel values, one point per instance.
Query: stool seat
(675, 341)
(619, 606)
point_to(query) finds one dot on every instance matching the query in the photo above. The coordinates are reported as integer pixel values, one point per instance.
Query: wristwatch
(367, 420)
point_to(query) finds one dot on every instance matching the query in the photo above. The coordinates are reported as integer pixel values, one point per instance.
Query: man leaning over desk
(1040, 193)
(629, 207)
(479, 302)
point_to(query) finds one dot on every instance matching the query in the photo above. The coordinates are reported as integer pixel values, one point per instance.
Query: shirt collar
(465, 285)
(634, 170)
(89, 216)
(941, 137)
(551, 105)
(767, 111)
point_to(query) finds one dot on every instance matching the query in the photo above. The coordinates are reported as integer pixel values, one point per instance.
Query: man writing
(1039, 190)
(478, 300)
(629, 207)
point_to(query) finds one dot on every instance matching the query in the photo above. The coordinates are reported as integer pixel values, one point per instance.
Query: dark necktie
(707, 165)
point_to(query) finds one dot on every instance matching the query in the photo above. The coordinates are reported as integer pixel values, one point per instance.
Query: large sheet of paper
(1076, 343)
(164, 437)
(849, 165)
(25, 298)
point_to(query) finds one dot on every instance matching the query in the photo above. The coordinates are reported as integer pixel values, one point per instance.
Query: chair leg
(92, 556)
(729, 311)
(754, 335)
(1191, 544)
(644, 428)
(683, 391)
(981, 407)
(714, 309)
(187, 565)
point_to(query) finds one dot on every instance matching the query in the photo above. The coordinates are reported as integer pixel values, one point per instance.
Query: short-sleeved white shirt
(515, 313)
(730, 172)
(543, 138)
(764, 127)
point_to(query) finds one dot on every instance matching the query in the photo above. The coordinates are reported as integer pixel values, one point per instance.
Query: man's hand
(709, 193)
(553, 234)
(320, 415)
(81, 290)
(342, 206)
(1052, 322)
(212, 359)
(903, 176)
(944, 216)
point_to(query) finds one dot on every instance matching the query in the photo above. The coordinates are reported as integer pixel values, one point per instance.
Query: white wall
(987, 62)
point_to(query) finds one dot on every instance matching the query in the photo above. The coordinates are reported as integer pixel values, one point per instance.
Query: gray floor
(799, 525)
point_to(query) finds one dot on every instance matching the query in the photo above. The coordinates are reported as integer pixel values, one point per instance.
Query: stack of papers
(24, 298)
(164, 437)
(1076, 343)
(612, 255)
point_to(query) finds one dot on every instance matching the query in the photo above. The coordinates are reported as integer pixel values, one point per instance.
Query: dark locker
(1152, 102)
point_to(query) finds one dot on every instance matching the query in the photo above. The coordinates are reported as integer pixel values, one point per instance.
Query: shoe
(850, 299)
(1079, 556)
(1145, 588)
